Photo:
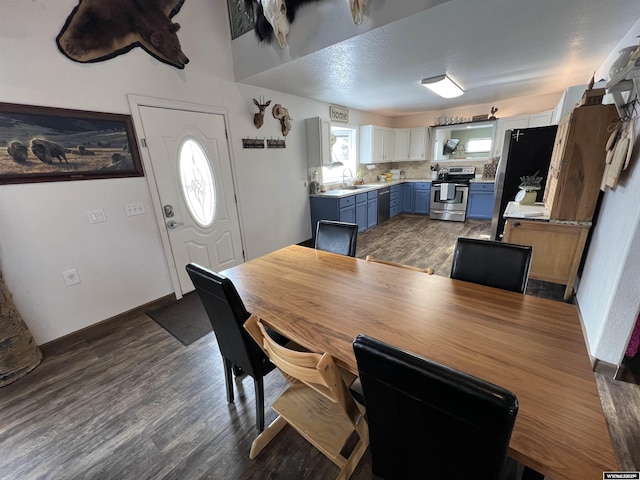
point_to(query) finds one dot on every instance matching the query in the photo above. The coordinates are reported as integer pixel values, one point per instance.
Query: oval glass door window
(198, 185)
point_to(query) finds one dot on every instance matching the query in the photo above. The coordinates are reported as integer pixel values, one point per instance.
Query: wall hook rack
(253, 143)
(273, 143)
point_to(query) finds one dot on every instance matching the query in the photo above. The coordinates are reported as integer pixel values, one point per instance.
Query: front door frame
(137, 101)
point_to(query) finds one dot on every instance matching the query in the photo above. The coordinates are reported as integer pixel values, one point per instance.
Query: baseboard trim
(67, 342)
(606, 368)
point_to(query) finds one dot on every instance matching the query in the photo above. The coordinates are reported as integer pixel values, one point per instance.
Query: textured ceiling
(494, 49)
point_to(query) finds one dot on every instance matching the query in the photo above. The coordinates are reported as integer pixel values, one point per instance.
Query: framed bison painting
(42, 144)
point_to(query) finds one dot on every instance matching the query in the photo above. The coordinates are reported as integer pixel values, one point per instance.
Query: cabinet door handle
(516, 224)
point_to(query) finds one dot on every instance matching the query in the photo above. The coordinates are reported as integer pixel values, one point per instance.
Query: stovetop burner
(460, 175)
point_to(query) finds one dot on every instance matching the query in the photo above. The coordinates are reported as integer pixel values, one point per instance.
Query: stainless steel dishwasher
(384, 204)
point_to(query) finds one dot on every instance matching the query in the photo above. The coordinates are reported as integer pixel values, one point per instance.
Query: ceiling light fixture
(443, 86)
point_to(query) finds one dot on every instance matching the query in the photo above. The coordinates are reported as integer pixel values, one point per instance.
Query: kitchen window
(343, 151)
(478, 145)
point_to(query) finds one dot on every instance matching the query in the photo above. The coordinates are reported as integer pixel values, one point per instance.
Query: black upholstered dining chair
(337, 237)
(428, 420)
(227, 314)
(491, 263)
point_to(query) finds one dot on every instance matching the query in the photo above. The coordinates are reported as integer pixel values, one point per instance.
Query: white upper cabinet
(540, 119)
(377, 144)
(504, 124)
(382, 144)
(318, 132)
(389, 145)
(418, 144)
(568, 102)
(403, 144)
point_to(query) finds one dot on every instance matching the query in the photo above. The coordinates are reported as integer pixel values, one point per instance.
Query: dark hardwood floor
(126, 400)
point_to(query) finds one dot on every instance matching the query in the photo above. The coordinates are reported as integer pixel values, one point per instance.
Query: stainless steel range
(450, 194)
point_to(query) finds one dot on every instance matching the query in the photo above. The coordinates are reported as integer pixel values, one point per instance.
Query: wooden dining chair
(227, 314)
(429, 420)
(494, 264)
(337, 237)
(428, 270)
(317, 403)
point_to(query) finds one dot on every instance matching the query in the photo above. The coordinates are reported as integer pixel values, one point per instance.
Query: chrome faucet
(344, 182)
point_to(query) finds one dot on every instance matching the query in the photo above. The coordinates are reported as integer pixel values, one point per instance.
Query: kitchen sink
(357, 187)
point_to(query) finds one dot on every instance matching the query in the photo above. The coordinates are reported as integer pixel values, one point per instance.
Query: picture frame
(45, 144)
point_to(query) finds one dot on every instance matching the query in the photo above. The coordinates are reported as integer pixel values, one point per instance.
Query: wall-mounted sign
(339, 114)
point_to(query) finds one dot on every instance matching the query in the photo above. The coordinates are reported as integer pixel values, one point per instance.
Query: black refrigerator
(525, 152)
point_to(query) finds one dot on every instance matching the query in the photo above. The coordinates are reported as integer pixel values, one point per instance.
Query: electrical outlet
(71, 277)
(134, 209)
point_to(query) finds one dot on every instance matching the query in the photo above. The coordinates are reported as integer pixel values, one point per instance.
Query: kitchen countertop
(536, 212)
(345, 192)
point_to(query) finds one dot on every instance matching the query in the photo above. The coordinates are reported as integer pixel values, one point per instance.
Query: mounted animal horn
(282, 114)
(357, 10)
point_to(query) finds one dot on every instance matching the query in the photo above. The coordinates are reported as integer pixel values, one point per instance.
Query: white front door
(192, 168)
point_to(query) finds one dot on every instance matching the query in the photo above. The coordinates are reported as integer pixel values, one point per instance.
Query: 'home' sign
(339, 114)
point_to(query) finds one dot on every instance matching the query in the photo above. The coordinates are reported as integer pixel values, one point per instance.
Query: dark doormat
(185, 319)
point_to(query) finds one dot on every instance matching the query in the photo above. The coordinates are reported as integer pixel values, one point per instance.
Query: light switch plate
(96, 216)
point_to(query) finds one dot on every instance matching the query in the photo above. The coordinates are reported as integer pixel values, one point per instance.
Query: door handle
(168, 211)
(173, 224)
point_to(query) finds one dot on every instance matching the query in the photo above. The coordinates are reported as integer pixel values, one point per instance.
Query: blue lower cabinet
(372, 211)
(481, 201)
(394, 203)
(422, 197)
(348, 214)
(361, 212)
(406, 198)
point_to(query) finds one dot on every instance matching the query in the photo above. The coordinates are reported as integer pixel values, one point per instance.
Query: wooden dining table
(532, 346)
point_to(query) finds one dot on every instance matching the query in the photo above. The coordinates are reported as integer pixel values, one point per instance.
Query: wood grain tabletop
(529, 345)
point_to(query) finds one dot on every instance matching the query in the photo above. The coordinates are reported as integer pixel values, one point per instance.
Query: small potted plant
(529, 186)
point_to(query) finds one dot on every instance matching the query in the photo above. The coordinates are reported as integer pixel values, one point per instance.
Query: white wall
(608, 293)
(45, 228)
(274, 200)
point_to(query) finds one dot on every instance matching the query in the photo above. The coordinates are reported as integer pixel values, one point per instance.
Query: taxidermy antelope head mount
(258, 118)
(282, 114)
(98, 30)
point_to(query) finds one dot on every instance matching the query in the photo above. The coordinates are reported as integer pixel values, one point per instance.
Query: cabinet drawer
(394, 195)
(422, 185)
(361, 198)
(481, 187)
(373, 194)
(347, 201)
(394, 203)
(394, 189)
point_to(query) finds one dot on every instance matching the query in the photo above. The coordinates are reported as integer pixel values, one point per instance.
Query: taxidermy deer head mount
(98, 30)
(258, 118)
(282, 114)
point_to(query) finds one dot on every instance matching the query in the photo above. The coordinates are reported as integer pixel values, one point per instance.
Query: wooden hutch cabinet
(559, 231)
(577, 162)
(557, 248)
